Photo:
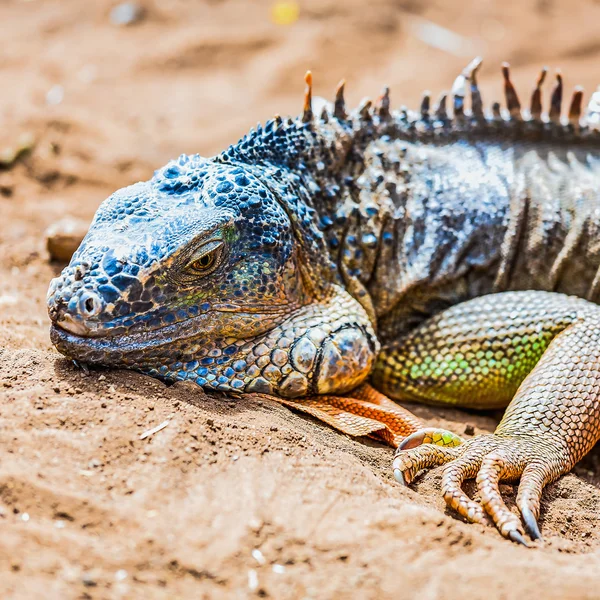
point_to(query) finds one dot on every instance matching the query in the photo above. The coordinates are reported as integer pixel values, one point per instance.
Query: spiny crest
(512, 99)
(459, 90)
(575, 108)
(364, 109)
(425, 106)
(285, 141)
(556, 99)
(384, 104)
(513, 103)
(339, 105)
(476, 101)
(460, 115)
(536, 97)
(441, 111)
(307, 113)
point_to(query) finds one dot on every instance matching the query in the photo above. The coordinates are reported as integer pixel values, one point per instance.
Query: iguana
(427, 253)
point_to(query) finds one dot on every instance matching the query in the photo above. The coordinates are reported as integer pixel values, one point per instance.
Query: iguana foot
(491, 459)
(538, 348)
(365, 411)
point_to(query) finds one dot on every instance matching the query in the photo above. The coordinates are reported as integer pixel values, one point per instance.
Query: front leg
(366, 412)
(553, 419)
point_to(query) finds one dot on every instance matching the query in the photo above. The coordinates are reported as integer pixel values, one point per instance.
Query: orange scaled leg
(365, 411)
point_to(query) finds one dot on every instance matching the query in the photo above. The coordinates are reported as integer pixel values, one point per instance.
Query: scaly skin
(321, 251)
(545, 344)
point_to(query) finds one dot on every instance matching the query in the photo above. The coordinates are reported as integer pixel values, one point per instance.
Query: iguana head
(215, 272)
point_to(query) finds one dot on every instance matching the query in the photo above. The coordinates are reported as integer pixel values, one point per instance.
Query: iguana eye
(205, 259)
(204, 262)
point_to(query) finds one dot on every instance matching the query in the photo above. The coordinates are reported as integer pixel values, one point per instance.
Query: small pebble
(252, 580)
(55, 95)
(279, 569)
(258, 556)
(25, 517)
(88, 73)
(121, 575)
(126, 13)
(11, 154)
(88, 580)
(64, 237)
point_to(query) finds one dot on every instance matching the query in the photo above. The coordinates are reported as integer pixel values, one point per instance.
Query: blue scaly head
(214, 271)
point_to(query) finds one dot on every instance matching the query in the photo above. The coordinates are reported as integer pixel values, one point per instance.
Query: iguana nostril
(90, 304)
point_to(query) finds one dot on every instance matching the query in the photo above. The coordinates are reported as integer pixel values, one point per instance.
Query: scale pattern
(553, 419)
(476, 353)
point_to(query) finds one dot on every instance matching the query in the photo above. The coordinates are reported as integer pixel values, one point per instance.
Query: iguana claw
(531, 524)
(399, 477)
(517, 537)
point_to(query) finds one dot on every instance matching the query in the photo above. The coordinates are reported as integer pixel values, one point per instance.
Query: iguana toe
(431, 435)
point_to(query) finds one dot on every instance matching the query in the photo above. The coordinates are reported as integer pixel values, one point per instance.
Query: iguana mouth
(109, 341)
(115, 344)
(79, 330)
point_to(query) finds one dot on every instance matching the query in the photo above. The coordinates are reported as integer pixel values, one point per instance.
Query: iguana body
(322, 251)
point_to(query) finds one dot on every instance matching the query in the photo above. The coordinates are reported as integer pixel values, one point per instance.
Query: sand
(233, 498)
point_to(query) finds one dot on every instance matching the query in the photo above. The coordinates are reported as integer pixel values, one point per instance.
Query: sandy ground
(87, 509)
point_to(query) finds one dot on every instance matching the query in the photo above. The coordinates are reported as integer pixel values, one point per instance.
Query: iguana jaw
(326, 346)
(160, 345)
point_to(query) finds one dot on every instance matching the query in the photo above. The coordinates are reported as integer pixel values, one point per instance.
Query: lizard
(343, 261)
